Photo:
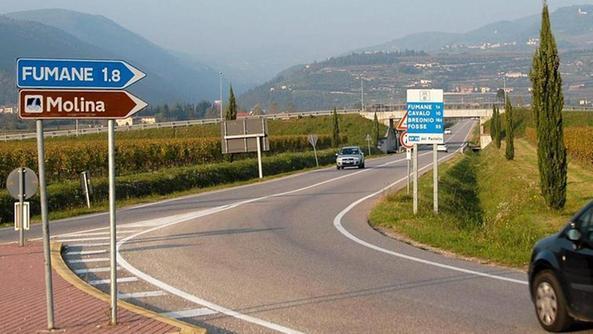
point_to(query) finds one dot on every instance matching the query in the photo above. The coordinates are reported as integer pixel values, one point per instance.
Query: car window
(349, 151)
(585, 223)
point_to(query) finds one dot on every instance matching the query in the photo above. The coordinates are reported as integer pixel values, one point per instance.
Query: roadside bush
(68, 195)
(66, 161)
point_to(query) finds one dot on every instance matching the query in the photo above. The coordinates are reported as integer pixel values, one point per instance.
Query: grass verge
(491, 208)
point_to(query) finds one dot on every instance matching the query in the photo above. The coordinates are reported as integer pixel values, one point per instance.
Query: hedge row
(68, 195)
(65, 162)
(578, 141)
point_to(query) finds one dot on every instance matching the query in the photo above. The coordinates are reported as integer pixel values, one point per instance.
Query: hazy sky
(286, 32)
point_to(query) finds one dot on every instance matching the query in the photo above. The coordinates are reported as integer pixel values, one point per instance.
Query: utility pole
(361, 94)
(504, 85)
(220, 81)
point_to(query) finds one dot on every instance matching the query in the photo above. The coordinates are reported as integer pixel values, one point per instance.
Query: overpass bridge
(396, 112)
(385, 113)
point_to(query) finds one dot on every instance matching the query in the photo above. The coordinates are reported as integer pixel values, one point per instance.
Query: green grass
(491, 208)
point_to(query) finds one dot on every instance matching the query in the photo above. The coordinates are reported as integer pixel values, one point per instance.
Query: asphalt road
(297, 255)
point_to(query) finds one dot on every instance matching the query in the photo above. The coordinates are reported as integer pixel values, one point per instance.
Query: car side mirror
(337, 154)
(574, 235)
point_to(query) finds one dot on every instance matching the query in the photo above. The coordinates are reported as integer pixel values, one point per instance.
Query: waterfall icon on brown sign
(33, 104)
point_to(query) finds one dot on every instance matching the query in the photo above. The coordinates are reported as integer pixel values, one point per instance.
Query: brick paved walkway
(22, 301)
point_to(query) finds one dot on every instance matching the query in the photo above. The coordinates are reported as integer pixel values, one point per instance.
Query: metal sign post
(313, 141)
(38, 99)
(244, 136)
(259, 166)
(45, 226)
(22, 172)
(112, 226)
(435, 178)
(415, 178)
(21, 184)
(86, 187)
(408, 158)
(425, 126)
(368, 138)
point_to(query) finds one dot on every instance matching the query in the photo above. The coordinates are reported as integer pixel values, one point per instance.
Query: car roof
(351, 147)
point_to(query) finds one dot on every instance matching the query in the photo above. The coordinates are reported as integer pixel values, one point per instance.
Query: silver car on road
(350, 156)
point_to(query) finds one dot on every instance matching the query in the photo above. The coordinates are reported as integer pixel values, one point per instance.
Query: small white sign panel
(17, 216)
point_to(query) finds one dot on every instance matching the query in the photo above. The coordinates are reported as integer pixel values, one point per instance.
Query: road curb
(59, 265)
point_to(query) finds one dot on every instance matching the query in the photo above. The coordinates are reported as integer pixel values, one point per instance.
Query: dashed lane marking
(93, 270)
(101, 259)
(93, 252)
(198, 312)
(119, 280)
(143, 294)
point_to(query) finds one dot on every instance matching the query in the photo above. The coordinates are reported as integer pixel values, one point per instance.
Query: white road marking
(83, 239)
(102, 259)
(119, 280)
(198, 312)
(93, 270)
(144, 294)
(176, 219)
(338, 225)
(119, 227)
(87, 252)
(88, 234)
(100, 244)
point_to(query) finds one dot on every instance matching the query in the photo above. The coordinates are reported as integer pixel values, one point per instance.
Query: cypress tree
(497, 127)
(548, 102)
(509, 131)
(231, 111)
(335, 129)
(376, 130)
(493, 122)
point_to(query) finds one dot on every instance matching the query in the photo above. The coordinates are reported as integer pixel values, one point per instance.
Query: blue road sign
(76, 73)
(425, 116)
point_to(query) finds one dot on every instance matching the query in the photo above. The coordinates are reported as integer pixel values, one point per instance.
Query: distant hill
(572, 25)
(468, 62)
(22, 39)
(64, 33)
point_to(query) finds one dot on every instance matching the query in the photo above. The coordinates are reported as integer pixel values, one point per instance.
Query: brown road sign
(77, 104)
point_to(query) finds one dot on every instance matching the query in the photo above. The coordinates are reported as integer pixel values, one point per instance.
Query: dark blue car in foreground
(561, 274)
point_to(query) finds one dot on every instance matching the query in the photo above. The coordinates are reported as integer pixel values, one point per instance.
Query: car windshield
(349, 151)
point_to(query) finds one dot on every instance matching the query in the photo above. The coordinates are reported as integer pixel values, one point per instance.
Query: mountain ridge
(169, 79)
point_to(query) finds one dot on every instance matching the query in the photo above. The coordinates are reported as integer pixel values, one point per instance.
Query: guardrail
(173, 124)
(379, 109)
